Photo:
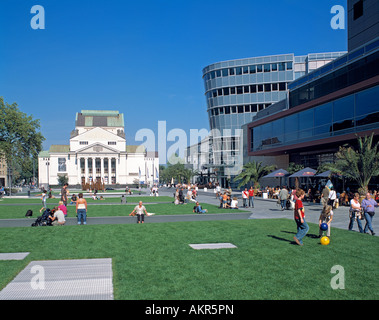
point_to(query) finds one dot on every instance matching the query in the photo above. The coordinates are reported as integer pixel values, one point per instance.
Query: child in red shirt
(302, 226)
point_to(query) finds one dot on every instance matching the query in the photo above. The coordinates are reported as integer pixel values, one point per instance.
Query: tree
(62, 180)
(253, 171)
(19, 137)
(359, 165)
(293, 167)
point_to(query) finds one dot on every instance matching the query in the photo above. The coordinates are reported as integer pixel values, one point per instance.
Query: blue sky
(143, 58)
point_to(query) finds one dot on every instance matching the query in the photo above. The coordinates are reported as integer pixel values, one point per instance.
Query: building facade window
(352, 113)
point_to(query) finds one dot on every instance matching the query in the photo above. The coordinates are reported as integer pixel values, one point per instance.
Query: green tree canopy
(252, 172)
(359, 165)
(20, 139)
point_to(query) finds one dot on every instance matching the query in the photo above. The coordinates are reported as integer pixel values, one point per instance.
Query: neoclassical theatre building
(98, 153)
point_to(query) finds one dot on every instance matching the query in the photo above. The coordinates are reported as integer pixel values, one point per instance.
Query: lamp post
(10, 172)
(47, 172)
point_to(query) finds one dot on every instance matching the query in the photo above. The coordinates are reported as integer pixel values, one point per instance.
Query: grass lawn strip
(116, 209)
(266, 264)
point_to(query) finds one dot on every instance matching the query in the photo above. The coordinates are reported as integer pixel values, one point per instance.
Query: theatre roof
(99, 118)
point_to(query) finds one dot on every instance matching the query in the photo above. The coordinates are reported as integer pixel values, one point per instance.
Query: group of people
(364, 210)
(248, 197)
(59, 213)
(184, 195)
(326, 216)
(358, 211)
(227, 202)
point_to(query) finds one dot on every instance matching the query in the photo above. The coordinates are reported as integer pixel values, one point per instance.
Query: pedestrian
(81, 209)
(251, 197)
(299, 215)
(283, 196)
(64, 192)
(326, 216)
(43, 198)
(139, 210)
(368, 206)
(355, 213)
(332, 197)
(245, 198)
(325, 196)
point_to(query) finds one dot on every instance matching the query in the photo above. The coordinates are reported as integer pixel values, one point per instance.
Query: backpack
(29, 213)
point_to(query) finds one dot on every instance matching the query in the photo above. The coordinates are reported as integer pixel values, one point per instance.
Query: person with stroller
(57, 218)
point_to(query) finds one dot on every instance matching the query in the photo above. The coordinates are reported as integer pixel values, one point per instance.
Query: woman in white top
(81, 209)
(332, 197)
(355, 213)
(234, 204)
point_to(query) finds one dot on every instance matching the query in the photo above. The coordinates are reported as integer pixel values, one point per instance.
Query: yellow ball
(325, 241)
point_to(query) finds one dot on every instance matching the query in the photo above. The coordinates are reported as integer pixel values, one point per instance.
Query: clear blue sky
(143, 58)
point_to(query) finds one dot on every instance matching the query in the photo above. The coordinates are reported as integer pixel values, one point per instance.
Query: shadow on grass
(309, 235)
(282, 239)
(312, 236)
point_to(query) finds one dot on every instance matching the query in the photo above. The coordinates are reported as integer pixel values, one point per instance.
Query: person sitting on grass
(233, 204)
(63, 208)
(74, 198)
(139, 210)
(199, 209)
(58, 217)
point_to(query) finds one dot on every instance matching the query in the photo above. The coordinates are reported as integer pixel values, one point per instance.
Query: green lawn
(117, 199)
(116, 209)
(154, 261)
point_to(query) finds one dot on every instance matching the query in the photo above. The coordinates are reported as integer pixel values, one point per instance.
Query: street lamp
(47, 171)
(10, 172)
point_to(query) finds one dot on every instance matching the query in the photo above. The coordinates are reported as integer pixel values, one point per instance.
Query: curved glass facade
(235, 90)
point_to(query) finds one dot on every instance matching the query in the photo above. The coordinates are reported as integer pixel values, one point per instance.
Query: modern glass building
(236, 90)
(325, 109)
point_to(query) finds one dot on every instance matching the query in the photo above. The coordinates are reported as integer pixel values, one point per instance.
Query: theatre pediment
(97, 148)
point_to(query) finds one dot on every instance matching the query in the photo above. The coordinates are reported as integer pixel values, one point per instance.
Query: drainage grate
(86, 279)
